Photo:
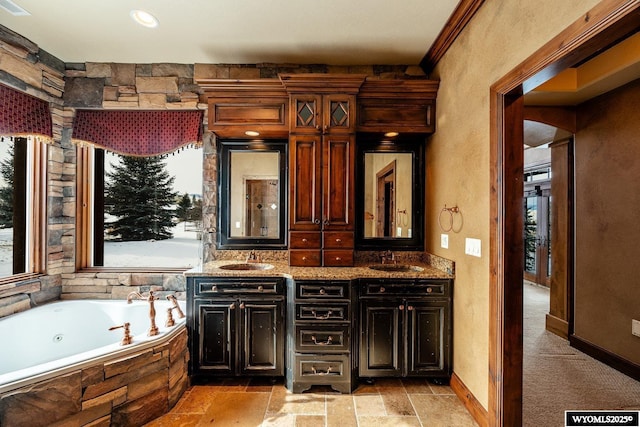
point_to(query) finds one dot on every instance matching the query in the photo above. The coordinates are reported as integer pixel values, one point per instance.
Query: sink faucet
(153, 329)
(253, 257)
(388, 257)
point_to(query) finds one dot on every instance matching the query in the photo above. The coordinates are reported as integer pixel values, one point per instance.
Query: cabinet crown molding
(322, 83)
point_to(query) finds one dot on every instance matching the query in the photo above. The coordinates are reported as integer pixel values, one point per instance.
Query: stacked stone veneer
(129, 391)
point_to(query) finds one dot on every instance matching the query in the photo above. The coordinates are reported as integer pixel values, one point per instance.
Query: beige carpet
(558, 377)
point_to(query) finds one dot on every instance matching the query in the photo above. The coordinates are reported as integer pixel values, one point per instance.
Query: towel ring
(451, 211)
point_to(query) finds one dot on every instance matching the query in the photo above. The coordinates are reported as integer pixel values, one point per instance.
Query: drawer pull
(338, 240)
(304, 240)
(326, 316)
(304, 258)
(316, 372)
(328, 342)
(260, 288)
(382, 289)
(429, 290)
(338, 258)
(214, 288)
(322, 291)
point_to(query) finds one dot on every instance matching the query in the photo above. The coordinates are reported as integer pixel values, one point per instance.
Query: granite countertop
(282, 269)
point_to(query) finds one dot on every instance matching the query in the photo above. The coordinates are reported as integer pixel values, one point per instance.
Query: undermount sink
(400, 268)
(247, 266)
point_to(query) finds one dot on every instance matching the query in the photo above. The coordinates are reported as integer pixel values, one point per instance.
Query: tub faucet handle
(126, 339)
(174, 301)
(170, 322)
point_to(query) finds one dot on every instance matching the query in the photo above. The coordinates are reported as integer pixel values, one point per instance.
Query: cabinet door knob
(401, 307)
(326, 222)
(242, 306)
(316, 221)
(410, 308)
(429, 290)
(232, 306)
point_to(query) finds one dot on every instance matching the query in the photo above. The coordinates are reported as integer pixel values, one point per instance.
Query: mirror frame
(413, 144)
(225, 148)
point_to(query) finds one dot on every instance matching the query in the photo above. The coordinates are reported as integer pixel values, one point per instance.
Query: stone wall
(129, 391)
(29, 69)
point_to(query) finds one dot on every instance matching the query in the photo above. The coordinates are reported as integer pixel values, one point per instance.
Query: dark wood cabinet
(320, 345)
(321, 165)
(405, 328)
(236, 326)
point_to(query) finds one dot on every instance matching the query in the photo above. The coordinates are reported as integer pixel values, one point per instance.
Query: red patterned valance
(138, 133)
(24, 115)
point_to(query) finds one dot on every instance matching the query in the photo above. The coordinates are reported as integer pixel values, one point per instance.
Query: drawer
(304, 240)
(217, 286)
(322, 368)
(337, 258)
(301, 258)
(323, 289)
(337, 240)
(322, 338)
(323, 312)
(404, 288)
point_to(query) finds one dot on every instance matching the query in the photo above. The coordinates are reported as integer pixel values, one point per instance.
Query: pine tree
(138, 192)
(184, 206)
(6, 191)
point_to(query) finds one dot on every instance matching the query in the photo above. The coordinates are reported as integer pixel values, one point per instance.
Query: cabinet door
(262, 337)
(305, 159)
(216, 332)
(305, 113)
(338, 182)
(380, 339)
(338, 113)
(427, 344)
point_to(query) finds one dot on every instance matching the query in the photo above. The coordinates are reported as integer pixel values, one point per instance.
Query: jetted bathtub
(63, 336)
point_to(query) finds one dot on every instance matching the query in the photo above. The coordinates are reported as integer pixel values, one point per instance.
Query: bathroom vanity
(320, 326)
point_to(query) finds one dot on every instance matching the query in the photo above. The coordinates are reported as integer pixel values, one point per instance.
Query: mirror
(390, 183)
(252, 188)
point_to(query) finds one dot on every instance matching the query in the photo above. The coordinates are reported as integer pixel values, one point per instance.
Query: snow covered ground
(183, 250)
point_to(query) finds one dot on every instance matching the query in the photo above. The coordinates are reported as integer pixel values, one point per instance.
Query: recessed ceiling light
(144, 18)
(252, 133)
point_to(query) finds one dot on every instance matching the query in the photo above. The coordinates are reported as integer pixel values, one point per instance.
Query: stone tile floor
(259, 403)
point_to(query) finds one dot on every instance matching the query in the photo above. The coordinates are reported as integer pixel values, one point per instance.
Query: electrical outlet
(472, 247)
(444, 241)
(635, 327)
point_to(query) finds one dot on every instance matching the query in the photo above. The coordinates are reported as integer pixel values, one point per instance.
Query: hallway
(558, 377)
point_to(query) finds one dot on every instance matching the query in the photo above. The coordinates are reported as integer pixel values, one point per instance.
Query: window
(140, 212)
(22, 206)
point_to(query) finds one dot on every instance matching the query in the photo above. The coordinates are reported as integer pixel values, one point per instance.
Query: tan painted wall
(607, 159)
(499, 37)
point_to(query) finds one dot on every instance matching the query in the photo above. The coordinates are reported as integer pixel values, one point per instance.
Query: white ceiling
(336, 32)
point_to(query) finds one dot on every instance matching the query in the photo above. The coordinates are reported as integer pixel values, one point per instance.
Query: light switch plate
(472, 247)
(444, 241)
(635, 327)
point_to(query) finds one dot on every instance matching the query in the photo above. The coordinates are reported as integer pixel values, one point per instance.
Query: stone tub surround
(129, 391)
(102, 284)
